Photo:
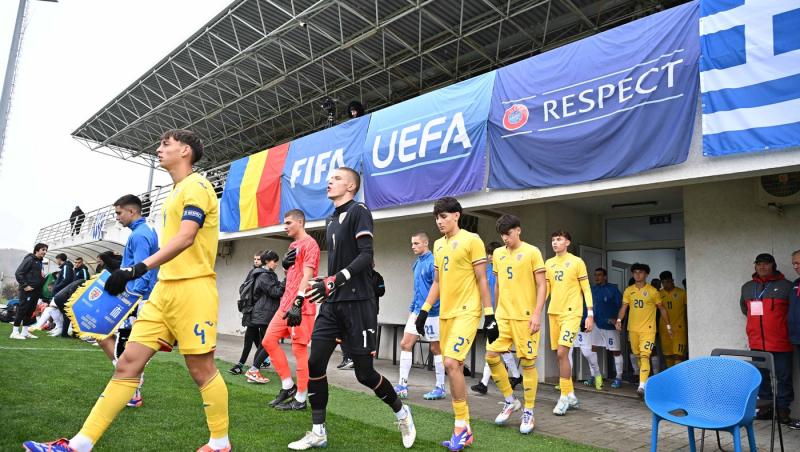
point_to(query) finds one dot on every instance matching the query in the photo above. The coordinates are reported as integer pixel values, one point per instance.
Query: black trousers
(253, 335)
(27, 304)
(783, 373)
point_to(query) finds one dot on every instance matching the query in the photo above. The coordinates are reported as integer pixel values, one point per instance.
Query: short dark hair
(189, 138)
(129, 200)
(111, 260)
(39, 246)
(295, 213)
(492, 246)
(448, 204)
(354, 174)
(561, 233)
(358, 107)
(269, 256)
(78, 259)
(61, 256)
(601, 270)
(506, 223)
(638, 266)
(422, 234)
(666, 274)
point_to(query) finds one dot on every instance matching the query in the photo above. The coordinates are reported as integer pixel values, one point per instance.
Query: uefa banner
(431, 146)
(310, 161)
(611, 105)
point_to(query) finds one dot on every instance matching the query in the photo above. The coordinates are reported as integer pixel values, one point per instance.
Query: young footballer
(294, 318)
(459, 282)
(423, 278)
(642, 299)
(674, 301)
(183, 306)
(348, 311)
(520, 290)
(568, 285)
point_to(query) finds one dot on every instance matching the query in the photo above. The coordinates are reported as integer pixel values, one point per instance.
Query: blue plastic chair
(710, 393)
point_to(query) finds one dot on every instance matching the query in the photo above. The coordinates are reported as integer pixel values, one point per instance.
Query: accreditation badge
(95, 312)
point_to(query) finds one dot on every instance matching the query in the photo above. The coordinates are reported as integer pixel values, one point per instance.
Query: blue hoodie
(423, 279)
(141, 244)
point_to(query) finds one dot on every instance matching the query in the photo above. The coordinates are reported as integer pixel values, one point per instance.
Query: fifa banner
(95, 312)
(610, 105)
(431, 146)
(750, 75)
(310, 162)
(252, 194)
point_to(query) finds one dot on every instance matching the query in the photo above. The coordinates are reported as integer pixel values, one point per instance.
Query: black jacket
(81, 273)
(267, 292)
(29, 272)
(65, 276)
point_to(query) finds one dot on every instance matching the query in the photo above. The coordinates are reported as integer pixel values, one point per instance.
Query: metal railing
(92, 225)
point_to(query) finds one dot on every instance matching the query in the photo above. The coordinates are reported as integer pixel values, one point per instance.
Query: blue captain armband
(193, 213)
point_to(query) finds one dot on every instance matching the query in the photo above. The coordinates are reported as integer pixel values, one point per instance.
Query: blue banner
(96, 312)
(750, 75)
(431, 146)
(610, 105)
(310, 161)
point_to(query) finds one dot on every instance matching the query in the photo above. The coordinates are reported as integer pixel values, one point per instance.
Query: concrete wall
(725, 230)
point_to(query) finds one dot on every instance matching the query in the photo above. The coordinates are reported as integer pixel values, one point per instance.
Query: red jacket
(768, 332)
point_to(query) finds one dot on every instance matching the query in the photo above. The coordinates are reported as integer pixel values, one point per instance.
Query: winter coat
(768, 331)
(29, 272)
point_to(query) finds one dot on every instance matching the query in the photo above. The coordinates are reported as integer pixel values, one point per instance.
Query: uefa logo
(95, 293)
(515, 117)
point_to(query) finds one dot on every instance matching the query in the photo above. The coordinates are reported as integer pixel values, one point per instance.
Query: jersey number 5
(510, 273)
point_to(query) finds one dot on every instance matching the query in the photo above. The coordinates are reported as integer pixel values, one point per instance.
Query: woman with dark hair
(256, 315)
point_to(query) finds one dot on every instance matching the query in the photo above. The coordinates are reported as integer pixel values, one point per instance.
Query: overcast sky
(76, 56)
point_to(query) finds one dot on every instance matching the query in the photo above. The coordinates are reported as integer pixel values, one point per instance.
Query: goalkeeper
(349, 311)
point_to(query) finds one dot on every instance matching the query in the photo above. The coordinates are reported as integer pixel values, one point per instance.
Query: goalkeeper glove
(323, 288)
(115, 284)
(490, 328)
(422, 317)
(294, 316)
(289, 258)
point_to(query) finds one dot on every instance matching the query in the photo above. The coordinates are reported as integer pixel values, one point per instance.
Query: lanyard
(761, 295)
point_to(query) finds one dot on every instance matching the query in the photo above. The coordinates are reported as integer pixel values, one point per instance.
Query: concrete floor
(613, 419)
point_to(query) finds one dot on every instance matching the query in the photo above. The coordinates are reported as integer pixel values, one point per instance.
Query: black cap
(764, 258)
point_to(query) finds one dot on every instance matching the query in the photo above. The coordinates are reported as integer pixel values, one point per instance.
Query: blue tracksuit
(423, 279)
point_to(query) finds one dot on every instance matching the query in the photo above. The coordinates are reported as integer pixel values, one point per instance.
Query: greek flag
(750, 75)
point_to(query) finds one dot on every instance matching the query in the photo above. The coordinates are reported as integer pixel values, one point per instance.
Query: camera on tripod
(329, 105)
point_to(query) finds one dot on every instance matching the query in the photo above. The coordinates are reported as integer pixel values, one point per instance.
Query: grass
(48, 386)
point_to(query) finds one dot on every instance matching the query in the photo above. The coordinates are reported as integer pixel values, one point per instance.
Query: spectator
(794, 317)
(146, 205)
(66, 272)
(76, 220)
(355, 109)
(80, 269)
(30, 279)
(259, 309)
(765, 302)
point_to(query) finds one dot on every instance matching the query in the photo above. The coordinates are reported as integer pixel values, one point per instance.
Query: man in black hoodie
(31, 279)
(67, 273)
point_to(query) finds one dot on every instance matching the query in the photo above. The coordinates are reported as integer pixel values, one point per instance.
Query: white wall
(725, 230)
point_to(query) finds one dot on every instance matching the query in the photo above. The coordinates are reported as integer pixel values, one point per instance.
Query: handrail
(96, 220)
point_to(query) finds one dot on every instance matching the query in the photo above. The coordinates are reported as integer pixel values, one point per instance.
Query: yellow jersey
(565, 276)
(455, 259)
(191, 199)
(675, 304)
(517, 287)
(641, 308)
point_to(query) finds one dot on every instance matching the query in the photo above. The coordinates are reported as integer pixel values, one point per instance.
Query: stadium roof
(257, 74)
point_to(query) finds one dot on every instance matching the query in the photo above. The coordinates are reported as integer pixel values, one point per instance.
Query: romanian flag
(253, 191)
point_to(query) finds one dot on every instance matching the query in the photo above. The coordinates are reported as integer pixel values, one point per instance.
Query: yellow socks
(644, 369)
(499, 375)
(530, 381)
(215, 403)
(566, 386)
(461, 412)
(113, 399)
